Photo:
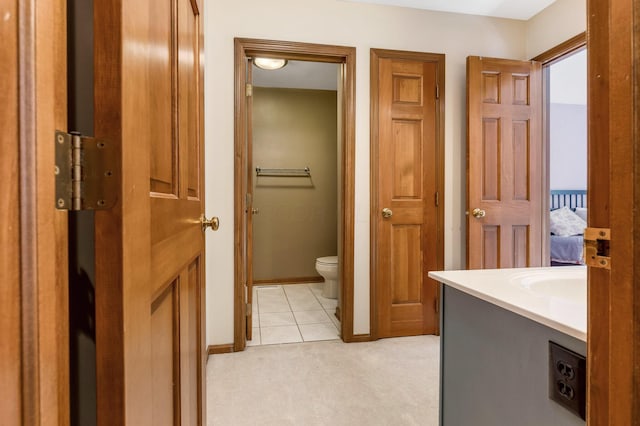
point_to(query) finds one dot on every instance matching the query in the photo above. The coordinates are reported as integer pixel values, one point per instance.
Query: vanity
(496, 329)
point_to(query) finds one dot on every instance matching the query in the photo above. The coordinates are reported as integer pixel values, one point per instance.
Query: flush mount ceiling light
(269, 63)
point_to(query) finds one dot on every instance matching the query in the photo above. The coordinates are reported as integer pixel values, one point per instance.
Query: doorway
(564, 106)
(344, 58)
(293, 170)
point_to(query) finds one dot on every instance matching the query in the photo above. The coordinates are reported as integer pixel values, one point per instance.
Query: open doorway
(565, 123)
(295, 147)
(287, 172)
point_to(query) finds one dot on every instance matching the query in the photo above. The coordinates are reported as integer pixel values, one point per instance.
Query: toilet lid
(328, 260)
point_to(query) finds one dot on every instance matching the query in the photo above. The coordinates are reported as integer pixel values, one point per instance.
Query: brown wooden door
(406, 165)
(150, 247)
(504, 163)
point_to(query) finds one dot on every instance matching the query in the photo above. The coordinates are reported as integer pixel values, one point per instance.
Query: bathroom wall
(362, 26)
(297, 219)
(555, 24)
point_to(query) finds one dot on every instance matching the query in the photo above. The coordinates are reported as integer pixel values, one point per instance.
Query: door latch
(596, 247)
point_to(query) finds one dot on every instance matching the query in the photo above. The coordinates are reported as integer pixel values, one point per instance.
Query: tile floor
(292, 313)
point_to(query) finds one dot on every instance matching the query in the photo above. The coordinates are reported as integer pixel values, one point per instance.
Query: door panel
(149, 248)
(164, 156)
(164, 348)
(406, 166)
(504, 154)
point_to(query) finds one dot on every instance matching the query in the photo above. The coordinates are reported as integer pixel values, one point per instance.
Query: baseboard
(359, 338)
(285, 281)
(220, 349)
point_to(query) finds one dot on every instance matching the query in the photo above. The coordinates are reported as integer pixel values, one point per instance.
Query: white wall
(568, 146)
(362, 26)
(555, 24)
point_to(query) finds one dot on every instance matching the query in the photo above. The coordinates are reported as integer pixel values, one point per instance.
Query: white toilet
(328, 268)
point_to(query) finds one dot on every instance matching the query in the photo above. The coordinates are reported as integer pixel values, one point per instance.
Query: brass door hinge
(596, 247)
(249, 90)
(248, 308)
(84, 172)
(436, 305)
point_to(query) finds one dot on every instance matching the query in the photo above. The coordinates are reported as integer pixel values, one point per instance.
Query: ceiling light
(270, 63)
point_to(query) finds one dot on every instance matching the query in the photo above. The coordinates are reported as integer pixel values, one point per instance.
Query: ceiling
(512, 9)
(299, 75)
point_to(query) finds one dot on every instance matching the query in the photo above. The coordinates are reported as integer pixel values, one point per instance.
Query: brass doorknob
(478, 213)
(386, 212)
(213, 223)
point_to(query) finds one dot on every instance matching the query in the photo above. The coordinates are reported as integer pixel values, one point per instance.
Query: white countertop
(555, 297)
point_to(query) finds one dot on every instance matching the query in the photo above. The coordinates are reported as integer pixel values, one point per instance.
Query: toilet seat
(327, 260)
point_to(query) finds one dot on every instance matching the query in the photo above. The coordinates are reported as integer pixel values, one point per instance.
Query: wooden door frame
(548, 58)
(36, 320)
(439, 59)
(245, 48)
(613, 333)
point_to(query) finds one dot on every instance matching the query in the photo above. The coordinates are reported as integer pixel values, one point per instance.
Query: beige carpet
(388, 382)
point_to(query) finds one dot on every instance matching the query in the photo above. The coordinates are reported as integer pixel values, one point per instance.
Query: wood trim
(220, 349)
(375, 56)
(245, 48)
(561, 51)
(635, 236)
(109, 294)
(287, 281)
(27, 135)
(10, 261)
(614, 102)
(360, 338)
(548, 58)
(40, 69)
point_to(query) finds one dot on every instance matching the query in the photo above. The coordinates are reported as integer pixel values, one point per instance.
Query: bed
(564, 205)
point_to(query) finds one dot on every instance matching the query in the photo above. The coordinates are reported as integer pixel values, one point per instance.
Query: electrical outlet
(567, 379)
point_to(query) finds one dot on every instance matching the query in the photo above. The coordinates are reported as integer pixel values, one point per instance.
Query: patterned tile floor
(292, 313)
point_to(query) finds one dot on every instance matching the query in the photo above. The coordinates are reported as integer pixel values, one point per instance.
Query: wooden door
(406, 165)
(614, 175)
(150, 246)
(504, 163)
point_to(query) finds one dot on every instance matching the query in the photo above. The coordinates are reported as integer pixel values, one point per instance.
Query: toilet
(327, 267)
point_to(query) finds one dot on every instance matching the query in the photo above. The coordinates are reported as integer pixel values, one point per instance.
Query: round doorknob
(386, 212)
(213, 223)
(478, 213)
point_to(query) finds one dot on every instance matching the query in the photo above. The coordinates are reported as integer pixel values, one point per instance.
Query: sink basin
(569, 285)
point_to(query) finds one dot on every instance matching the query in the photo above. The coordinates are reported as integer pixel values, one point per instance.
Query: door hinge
(437, 91)
(248, 311)
(436, 305)
(596, 247)
(85, 172)
(437, 198)
(249, 90)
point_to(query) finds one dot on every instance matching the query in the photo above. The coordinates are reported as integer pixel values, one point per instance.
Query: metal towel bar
(306, 172)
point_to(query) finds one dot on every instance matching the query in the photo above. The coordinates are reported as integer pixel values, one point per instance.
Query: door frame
(34, 293)
(548, 58)
(244, 49)
(613, 329)
(439, 59)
